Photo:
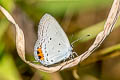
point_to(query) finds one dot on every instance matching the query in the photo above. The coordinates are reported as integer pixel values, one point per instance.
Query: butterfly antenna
(79, 39)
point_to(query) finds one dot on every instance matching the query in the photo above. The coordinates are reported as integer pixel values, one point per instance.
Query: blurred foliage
(90, 69)
(92, 31)
(8, 4)
(8, 69)
(36, 8)
(106, 53)
(4, 25)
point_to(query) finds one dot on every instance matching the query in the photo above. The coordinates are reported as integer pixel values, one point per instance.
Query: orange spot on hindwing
(40, 54)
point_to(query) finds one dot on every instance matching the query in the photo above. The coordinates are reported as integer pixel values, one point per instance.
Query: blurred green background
(77, 18)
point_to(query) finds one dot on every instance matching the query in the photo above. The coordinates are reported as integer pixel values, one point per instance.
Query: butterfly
(52, 45)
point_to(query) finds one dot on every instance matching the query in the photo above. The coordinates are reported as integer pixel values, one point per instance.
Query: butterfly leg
(64, 60)
(75, 53)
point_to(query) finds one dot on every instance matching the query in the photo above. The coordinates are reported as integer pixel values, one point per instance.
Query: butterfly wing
(52, 40)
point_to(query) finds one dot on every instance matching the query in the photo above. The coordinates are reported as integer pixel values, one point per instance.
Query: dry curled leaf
(108, 27)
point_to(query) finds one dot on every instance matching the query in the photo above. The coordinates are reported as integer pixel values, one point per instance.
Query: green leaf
(92, 30)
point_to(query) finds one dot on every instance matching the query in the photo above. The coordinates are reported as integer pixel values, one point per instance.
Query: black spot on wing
(50, 38)
(51, 60)
(58, 50)
(37, 52)
(39, 57)
(59, 44)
